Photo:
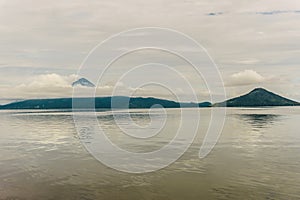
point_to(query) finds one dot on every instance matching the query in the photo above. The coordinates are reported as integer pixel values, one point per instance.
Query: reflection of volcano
(260, 120)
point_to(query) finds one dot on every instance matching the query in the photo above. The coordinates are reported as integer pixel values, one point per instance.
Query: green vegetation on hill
(257, 98)
(99, 102)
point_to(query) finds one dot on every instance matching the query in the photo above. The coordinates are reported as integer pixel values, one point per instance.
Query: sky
(44, 42)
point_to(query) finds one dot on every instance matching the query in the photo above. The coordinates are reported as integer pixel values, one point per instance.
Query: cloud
(47, 35)
(271, 12)
(277, 12)
(246, 77)
(41, 86)
(214, 13)
(55, 86)
(52, 80)
(247, 61)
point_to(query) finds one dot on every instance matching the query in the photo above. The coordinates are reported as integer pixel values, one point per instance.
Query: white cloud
(40, 86)
(54, 86)
(52, 80)
(247, 61)
(246, 77)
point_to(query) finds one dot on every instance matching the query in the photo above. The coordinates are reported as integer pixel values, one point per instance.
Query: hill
(257, 98)
(99, 102)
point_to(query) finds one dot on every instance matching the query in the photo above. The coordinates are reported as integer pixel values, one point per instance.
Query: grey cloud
(47, 35)
(214, 13)
(277, 12)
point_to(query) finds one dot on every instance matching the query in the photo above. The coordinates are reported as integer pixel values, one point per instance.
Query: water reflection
(260, 121)
(131, 131)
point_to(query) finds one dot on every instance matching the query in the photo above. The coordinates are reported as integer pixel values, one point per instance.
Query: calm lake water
(256, 157)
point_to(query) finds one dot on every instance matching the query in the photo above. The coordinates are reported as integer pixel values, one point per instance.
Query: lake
(257, 157)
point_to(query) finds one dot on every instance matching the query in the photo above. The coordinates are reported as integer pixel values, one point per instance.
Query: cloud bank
(56, 86)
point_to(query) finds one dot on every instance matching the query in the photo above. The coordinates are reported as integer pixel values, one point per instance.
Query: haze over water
(257, 157)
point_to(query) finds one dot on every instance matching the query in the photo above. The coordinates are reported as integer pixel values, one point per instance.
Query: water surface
(257, 157)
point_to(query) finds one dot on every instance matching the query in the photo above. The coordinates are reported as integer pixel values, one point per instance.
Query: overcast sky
(43, 42)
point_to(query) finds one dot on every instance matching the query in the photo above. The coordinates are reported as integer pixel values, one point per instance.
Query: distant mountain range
(259, 97)
(99, 103)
